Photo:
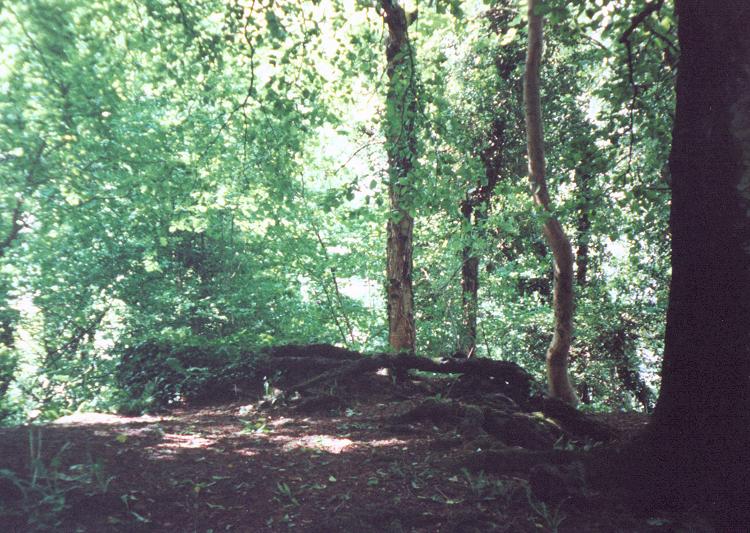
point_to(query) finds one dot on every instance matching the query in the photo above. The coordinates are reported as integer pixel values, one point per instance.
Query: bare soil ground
(243, 467)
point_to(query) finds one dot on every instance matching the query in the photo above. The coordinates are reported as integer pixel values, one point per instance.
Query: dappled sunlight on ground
(387, 443)
(84, 419)
(185, 441)
(283, 421)
(324, 443)
(279, 469)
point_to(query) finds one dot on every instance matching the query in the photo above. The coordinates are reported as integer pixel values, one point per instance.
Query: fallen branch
(510, 374)
(502, 411)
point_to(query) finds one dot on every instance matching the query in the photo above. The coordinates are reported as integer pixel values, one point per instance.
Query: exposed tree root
(323, 402)
(490, 397)
(511, 376)
(510, 427)
(571, 419)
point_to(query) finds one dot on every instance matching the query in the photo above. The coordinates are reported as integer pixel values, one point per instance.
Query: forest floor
(253, 467)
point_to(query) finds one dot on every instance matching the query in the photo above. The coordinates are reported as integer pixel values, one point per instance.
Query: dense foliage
(187, 182)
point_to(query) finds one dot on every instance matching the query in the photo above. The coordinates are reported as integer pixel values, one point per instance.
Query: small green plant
(285, 495)
(483, 487)
(43, 494)
(546, 517)
(131, 497)
(255, 426)
(92, 475)
(565, 443)
(271, 394)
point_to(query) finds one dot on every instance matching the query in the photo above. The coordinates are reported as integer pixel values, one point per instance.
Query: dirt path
(241, 468)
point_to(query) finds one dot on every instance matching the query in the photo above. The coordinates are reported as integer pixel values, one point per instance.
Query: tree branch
(16, 224)
(639, 18)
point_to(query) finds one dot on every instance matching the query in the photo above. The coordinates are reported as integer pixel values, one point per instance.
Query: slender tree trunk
(701, 425)
(584, 228)
(562, 251)
(467, 338)
(474, 209)
(401, 146)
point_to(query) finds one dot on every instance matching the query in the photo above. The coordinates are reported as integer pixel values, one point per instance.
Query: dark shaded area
(697, 451)
(426, 457)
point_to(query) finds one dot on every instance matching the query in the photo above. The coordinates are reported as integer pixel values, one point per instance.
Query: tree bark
(512, 376)
(557, 355)
(474, 210)
(401, 146)
(584, 228)
(702, 418)
(467, 337)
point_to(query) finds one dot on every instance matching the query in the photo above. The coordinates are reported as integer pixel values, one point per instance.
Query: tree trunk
(562, 251)
(702, 418)
(474, 209)
(584, 228)
(467, 339)
(401, 146)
